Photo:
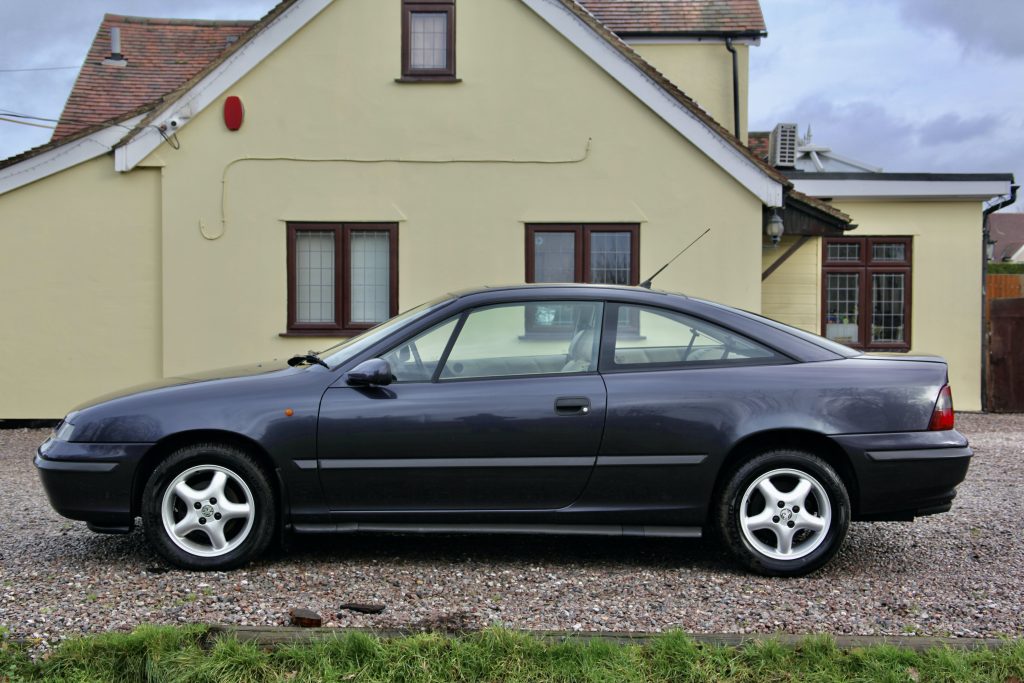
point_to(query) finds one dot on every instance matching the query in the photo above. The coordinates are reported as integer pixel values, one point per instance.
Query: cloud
(952, 128)
(993, 26)
(867, 131)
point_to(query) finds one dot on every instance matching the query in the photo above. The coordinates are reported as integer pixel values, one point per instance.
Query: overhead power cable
(26, 123)
(8, 112)
(37, 68)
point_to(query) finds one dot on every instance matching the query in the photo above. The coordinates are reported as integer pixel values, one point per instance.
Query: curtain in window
(370, 295)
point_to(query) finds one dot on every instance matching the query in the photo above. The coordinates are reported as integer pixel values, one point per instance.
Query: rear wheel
(784, 513)
(208, 507)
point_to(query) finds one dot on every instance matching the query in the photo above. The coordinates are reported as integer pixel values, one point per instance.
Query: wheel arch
(173, 442)
(796, 439)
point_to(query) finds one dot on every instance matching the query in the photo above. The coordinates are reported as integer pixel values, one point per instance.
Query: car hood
(234, 372)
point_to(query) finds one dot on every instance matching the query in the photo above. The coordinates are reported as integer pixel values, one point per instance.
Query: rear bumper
(905, 475)
(91, 482)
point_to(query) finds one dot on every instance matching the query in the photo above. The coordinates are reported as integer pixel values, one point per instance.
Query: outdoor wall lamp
(774, 228)
(990, 249)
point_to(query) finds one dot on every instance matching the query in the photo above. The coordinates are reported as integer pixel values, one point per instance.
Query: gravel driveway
(960, 573)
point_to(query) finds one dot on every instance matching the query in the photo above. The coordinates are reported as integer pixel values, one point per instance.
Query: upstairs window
(428, 40)
(866, 297)
(342, 277)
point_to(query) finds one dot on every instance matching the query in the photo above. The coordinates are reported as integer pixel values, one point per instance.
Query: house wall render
(193, 269)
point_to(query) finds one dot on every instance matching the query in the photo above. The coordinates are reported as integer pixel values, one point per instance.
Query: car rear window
(827, 344)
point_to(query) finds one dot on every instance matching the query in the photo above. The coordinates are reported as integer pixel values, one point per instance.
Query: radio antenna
(647, 283)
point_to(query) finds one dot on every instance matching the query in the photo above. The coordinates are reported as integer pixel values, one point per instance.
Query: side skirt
(540, 529)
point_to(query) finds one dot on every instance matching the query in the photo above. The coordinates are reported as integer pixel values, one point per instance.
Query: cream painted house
(908, 279)
(294, 180)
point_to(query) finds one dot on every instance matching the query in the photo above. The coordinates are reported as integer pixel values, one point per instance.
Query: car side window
(502, 340)
(654, 337)
(416, 360)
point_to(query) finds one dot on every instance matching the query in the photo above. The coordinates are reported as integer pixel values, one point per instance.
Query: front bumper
(907, 474)
(91, 482)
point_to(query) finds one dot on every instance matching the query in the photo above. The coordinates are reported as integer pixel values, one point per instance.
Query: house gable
(535, 132)
(174, 110)
(566, 16)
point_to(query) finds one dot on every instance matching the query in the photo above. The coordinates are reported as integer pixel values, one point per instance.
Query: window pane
(416, 360)
(370, 267)
(610, 258)
(554, 257)
(842, 307)
(887, 307)
(493, 343)
(889, 252)
(844, 251)
(669, 337)
(428, 40)
(314, 276)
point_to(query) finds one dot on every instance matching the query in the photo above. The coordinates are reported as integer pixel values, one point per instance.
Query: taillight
(942, 416)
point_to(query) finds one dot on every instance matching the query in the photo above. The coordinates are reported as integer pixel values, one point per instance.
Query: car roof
(539, 288)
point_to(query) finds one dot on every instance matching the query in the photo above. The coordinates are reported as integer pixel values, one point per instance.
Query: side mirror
(375, 372)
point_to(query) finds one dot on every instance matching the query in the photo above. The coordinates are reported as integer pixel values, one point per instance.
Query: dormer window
(428, 40)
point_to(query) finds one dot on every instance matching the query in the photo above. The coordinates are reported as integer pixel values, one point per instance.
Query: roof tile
(162, 54)
(673, 17)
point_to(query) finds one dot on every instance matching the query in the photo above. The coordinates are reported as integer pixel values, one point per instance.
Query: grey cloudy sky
(909, 85)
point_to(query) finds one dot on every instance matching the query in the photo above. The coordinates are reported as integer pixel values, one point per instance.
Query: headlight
(64, 431)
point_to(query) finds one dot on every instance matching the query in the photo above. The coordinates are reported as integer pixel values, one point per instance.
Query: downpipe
(985, 234)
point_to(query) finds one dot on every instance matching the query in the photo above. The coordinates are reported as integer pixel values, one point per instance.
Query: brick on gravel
(957, 574)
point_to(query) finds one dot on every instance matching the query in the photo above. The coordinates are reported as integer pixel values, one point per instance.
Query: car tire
(784, 513)
(208, 507)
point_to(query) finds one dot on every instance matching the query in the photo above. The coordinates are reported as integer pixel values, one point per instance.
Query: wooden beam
(785, 255)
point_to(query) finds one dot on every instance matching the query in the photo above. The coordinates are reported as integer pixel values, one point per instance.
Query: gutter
(735, 88)
(985, 234)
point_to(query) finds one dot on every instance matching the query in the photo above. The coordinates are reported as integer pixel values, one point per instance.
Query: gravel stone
(954, 574)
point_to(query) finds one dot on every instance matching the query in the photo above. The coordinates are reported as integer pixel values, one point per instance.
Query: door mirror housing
(375, 372)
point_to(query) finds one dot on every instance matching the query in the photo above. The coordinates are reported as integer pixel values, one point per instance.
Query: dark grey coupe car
(555, 409)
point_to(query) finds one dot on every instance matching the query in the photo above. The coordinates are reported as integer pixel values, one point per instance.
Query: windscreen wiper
(310, 358)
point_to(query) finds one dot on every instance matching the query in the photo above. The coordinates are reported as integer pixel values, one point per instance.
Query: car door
(678, 387)
(498, 408)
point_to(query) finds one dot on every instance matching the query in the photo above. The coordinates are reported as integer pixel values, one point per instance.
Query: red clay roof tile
(758, 143)
(162, 54)
(695, 17)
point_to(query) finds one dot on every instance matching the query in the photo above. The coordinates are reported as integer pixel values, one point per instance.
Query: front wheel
(208, 507)
(784, 513)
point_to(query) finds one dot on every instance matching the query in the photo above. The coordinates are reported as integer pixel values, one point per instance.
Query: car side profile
(553, 409)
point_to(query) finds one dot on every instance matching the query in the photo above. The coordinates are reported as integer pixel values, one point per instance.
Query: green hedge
(1006, 268)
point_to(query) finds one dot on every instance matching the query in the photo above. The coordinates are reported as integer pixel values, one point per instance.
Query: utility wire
(8, 112)
(26, 123)
(38, 68)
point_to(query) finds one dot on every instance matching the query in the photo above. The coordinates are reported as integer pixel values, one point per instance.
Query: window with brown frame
(342, 277)
(428, 40)
(866, 292)
(607, 254)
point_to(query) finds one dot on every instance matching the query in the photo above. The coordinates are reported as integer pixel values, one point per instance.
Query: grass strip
(169, 654)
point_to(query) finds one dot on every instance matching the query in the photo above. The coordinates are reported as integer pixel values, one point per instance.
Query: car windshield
(341, 352)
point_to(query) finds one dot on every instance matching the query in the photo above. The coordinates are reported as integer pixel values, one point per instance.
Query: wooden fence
(1004, 315)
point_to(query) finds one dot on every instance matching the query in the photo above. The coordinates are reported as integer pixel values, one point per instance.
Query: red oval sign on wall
(234, 112)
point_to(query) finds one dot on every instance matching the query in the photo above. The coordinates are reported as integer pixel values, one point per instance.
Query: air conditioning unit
(782, 146)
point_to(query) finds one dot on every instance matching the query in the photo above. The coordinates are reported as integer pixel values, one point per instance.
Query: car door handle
(572, 405)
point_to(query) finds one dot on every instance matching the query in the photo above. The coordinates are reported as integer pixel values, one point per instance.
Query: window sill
(428, 79)
(321, 333)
